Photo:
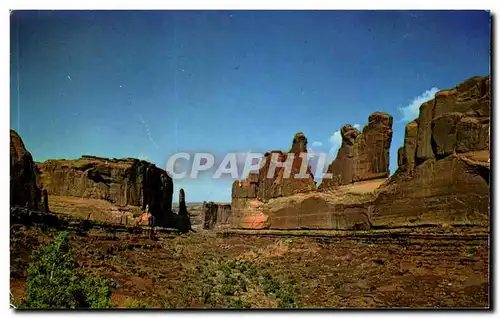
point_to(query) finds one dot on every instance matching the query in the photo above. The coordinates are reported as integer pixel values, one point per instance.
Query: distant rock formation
(215, 215)
(182, 203)
(123, 182)
(259, 187)
(362, 156)
(183, 220)
(443, 174)
(442, 178)
(23, 187)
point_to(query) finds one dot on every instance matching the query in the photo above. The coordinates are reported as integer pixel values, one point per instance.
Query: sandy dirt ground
(429, 268)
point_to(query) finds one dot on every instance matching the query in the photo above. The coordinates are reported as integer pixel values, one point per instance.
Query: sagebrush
(55, 282)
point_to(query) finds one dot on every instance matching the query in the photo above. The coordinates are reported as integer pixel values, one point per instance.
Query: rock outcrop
(23, 186)
(345, 207)
(362, 155)
(45, 201)
(120, 181)
(443, 174)
(183, 220)
(215, 215)
(265, 185)
(442, 177)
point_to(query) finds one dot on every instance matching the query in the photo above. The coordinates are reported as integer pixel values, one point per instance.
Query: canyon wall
(444, 170)
(120, 181)
(215, 215)
(442, 177)
(23, 187)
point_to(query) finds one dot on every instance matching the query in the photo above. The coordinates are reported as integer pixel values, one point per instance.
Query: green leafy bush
(54, 282)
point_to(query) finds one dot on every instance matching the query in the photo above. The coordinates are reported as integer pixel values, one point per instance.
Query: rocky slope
(23, 188)
(120, 181)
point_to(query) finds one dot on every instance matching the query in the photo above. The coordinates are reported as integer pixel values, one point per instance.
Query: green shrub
(54, 282)
(240, 304)
(136, 304)
(225, 282)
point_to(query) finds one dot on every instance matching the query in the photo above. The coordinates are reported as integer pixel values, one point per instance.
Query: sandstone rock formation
(362, 156)
(442, 177)
(120, 181)
(182, 203)
(443, 173)
(345, 207)
(23, 187)
(45, 201)
(259, 185)
(215, 215)
(265, 185)
(183, 220)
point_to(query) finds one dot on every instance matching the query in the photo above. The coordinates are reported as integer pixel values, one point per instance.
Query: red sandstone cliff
(120, 181)
(443, 174)
(258, 185)
(442, 178)
(362, 155)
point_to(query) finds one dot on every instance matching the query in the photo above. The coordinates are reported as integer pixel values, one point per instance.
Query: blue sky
(148, 84)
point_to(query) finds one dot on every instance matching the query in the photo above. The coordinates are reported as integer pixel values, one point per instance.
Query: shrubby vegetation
(240, 284)
(54, 281)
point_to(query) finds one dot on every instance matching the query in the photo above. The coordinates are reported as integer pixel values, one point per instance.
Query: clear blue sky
(146, 84)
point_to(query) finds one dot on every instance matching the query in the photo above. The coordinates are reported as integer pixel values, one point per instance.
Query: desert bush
(231, 284)
(54, 282)
(137, 304)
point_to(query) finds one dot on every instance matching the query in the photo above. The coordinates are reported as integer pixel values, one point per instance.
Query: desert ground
(426, 267)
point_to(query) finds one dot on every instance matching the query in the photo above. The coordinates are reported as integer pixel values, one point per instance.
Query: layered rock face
(362, 155)
(120, 181)
(345, 207)
(215, 215)
(442, 177)
(264, 185)
(23, 187)
(443, 173)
